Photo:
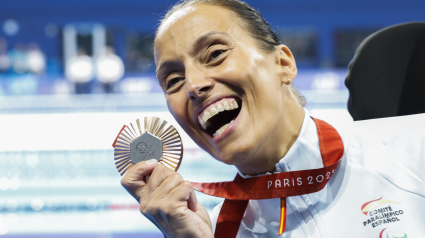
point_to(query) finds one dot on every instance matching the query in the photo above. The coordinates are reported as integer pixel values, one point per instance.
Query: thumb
(134, 179)
(192, 202)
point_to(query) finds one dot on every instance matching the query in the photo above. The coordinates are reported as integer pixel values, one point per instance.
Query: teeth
(214, 110)
(226, 105)
(207, 115)
(233, 105)
(220, 108)
(203, 120)
(223, 128)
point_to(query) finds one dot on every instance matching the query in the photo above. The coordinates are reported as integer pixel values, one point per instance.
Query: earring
(288, 82)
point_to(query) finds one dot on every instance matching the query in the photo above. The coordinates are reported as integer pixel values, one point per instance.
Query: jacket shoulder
(392, 147)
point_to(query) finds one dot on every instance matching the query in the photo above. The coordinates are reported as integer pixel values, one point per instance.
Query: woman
(227, 81)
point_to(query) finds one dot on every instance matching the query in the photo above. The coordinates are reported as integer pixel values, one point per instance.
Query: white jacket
(383, 158)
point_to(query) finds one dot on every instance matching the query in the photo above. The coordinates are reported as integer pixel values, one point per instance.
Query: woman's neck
(276, 146)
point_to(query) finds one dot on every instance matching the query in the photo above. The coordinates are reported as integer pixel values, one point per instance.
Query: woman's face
(206, 64)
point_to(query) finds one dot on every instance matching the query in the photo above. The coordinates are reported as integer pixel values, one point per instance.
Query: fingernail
(152, 161)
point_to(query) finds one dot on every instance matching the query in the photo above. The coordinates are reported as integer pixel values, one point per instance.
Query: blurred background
(73, 72)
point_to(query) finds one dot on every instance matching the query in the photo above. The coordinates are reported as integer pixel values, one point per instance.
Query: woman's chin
(234, 154)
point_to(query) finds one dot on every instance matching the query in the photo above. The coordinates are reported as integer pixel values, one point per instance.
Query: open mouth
(217, 117)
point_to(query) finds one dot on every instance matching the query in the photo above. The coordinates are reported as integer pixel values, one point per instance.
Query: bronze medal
(152, 138)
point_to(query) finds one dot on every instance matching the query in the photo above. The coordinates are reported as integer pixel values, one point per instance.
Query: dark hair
(252, 20)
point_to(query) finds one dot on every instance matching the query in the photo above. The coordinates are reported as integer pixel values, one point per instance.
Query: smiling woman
(218, 60)
(227, 81)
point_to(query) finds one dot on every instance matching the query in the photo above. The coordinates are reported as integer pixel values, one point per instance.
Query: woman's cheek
(236, 73)
(177, 105)
(176, 108)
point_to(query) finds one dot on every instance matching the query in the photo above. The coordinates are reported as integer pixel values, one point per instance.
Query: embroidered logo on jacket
(381, 235)
(379, 214)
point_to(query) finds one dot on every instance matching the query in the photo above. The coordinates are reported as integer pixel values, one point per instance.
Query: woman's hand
(167, 200)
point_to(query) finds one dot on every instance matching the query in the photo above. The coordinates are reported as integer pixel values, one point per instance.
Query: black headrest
(387, 74)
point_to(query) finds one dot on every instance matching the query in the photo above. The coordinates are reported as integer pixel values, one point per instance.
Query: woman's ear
(287, 67)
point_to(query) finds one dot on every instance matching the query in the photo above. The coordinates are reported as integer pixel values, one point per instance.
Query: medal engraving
(151, 138)
(145, 147)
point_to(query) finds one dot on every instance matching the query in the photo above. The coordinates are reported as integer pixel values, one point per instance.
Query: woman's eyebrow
(200, 41)
(195, 48)
(165, 67)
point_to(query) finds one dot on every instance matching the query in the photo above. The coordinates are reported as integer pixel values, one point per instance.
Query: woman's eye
(173, 82)
(215, 54)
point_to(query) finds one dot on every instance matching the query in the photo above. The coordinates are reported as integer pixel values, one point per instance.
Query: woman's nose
(198, 86)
